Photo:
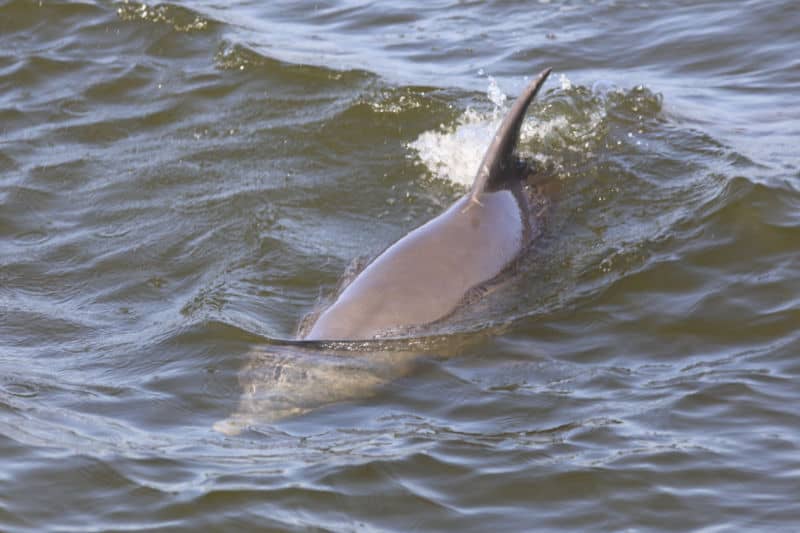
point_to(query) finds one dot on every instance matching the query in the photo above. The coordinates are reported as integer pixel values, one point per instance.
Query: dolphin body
(419, 280)
(427, 274)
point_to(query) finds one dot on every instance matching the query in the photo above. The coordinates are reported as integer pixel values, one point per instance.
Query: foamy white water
(454, 152)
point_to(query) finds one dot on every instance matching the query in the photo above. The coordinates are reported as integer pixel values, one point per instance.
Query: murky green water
(181, 183)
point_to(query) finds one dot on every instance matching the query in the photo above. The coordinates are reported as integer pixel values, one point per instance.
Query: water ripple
(180, 184)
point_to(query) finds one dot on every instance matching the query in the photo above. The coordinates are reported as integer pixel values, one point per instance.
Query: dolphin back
(426, 275)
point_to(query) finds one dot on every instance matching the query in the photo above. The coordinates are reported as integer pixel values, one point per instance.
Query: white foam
(454, 152)
(495, 94)
(565, 82)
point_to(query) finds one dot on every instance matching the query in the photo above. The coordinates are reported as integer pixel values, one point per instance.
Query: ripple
(181, 183)
(179, 18)
(21, 390)
(30, 238)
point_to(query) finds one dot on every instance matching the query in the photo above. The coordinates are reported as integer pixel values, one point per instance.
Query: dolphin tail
(499, 157)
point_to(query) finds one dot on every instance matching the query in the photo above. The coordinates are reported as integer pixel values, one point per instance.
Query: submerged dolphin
(420, 279)
(424, 276)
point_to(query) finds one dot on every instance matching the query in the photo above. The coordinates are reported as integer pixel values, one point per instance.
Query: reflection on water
(281, 382)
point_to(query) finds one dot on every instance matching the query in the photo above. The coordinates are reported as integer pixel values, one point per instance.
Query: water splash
(495, 94)
(453, 153)
(565, 82)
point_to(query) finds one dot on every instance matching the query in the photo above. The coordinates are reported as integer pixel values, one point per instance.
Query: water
(181, 183)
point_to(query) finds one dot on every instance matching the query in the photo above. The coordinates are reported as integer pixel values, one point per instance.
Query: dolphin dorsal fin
(499, 155)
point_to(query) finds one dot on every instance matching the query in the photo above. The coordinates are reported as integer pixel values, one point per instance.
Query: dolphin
(419, 280)
(427, 274)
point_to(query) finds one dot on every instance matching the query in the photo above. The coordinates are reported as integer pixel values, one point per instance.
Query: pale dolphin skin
(420, 279)
(425, 275)
(279, 382)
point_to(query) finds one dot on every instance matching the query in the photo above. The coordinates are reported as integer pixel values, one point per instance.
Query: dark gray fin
(499, 158)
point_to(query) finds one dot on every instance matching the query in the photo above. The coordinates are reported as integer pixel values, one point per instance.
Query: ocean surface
(181, 183)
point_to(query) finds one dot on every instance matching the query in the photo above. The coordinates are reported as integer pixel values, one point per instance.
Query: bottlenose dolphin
(417, 281)
(424, 276)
